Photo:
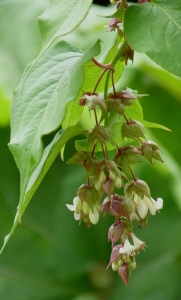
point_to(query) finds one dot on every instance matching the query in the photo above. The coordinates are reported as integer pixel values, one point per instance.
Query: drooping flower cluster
(108, 176)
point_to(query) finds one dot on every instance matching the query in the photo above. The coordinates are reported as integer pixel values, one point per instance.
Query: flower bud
(115, 255)
(127, 156)
(106, 205)
(102, 134)
(113, 24)
(114, 266)
(124, 272)
(92, 100)
(133, 266)
(133, 130)
(78, 158)
(121, 206)
(90, 207)
(115, 232)
(151, 150)
(139, 187)
(128, 53)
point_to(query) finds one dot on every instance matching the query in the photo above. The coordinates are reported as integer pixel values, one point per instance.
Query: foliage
(32, 171)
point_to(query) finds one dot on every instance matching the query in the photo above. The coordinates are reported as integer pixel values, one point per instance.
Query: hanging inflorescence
(108, 188)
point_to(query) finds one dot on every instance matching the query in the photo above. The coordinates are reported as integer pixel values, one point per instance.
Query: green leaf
(155, 29)
(154, 125)
(134, 111)
(49, 155)
(62, 17)
(93, 72)
(118, 13)
(116, 129)
(40, 102)
(5, 102)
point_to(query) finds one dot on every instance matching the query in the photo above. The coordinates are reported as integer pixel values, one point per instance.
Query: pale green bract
(155, 29)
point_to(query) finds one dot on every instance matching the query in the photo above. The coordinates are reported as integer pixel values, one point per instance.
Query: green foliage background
(50, 256)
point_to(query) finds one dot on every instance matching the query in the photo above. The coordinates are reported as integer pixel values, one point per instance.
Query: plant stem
(95, 114)
(113, 86)
(102, 66)
(134, 178)
(99, 79)
(113, 63)
(127, 121)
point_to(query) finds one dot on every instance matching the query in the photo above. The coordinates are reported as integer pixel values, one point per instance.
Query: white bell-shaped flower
(137, 243)
(127, 249)
(141, 207)
(153, 205)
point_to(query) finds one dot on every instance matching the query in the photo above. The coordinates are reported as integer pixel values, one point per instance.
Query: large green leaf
(155, 29)
(40, 102)
(49, 155)
(61, 17)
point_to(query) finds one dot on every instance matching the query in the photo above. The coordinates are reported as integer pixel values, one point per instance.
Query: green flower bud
(116, 104)
(133, 130)
(114, 266)
(133, 266)
(147, 151)
(120, 262)
(89, 195)
(156, 155)
(101, 133)
(151, 150)
(139, 187)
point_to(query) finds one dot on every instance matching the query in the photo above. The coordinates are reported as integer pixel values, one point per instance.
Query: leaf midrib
(164, 12)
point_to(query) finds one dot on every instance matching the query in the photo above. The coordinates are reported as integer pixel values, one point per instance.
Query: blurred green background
(51, 257)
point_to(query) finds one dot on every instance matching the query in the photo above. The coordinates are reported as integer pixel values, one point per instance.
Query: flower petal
(76, 216)
(159, 203)
(141, 208)
(94, 216)
(137, 243)
(71, 207)
(127, 248)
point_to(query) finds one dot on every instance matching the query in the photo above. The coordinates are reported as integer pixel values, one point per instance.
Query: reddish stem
(139, 140)
(134, 178)
(93, 150)
(99, 79)
(95, 114)
(127, 121)
(103, 151)
(102, 66)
